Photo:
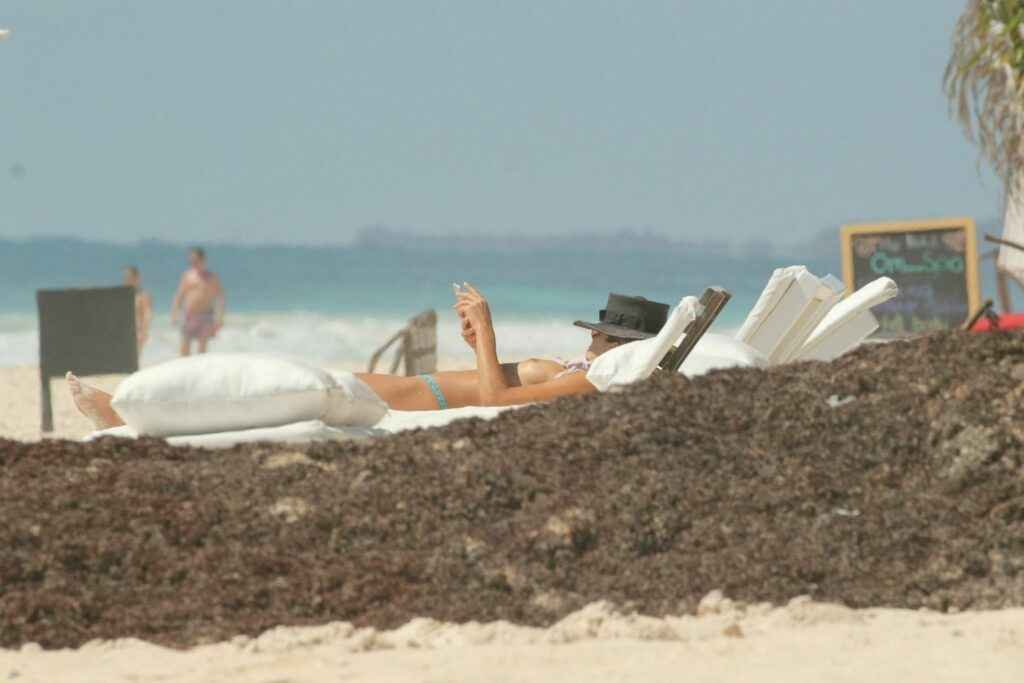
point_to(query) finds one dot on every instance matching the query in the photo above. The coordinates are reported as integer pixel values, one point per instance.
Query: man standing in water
(143, 306)
(200, 297)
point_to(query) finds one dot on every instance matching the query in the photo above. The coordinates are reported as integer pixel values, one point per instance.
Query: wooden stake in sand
(985, 311)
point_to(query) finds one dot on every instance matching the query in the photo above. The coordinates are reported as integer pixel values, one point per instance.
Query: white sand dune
(803, 641)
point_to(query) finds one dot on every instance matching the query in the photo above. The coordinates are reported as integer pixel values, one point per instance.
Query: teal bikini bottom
(435, 389)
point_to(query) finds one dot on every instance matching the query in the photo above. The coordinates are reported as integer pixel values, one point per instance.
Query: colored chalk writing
(883, 263)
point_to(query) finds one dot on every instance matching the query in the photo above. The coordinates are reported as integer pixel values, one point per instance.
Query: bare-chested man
(143, 306)
(200, 297)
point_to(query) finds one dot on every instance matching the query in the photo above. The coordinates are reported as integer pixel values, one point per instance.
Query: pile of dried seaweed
(893, 476)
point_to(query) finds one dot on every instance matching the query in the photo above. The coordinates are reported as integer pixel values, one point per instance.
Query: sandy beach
(721, 640)
(20, 405)
(800, 642)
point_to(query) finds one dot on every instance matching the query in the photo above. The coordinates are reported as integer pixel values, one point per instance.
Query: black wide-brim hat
(629, 317)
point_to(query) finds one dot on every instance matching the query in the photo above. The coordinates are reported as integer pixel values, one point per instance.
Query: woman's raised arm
(570, 384)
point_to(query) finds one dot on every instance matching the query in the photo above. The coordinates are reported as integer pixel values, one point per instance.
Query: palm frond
(984, 81)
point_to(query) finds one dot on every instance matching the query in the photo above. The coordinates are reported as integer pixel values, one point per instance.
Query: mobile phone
(458, 289)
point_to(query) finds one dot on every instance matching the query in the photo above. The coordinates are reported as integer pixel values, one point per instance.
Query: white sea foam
(19, 340)
(319, 338)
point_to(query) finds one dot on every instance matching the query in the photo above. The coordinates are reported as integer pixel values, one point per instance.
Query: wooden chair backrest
(712, 301)
(417, 346)
(421, 344)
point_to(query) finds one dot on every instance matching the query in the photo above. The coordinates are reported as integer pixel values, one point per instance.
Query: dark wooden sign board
(85, 331)
(934, 263)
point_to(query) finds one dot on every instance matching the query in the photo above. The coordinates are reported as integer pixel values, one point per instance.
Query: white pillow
(228, 392)
(635, 361)
(717, 351)
(849, 323)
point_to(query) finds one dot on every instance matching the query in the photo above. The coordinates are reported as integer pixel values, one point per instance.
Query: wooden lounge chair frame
(417, 346)
(712, 301)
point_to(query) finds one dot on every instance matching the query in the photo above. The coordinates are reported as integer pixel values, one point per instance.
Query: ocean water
(334, 305)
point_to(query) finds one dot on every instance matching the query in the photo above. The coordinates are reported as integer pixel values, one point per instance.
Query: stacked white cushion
(848, 323)
(718, 351)
(792, 304)
(635, 361)
(213, 393)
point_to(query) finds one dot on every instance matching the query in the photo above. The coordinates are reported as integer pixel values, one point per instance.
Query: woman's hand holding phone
(468, 334)
(467, 331)
(474, 307)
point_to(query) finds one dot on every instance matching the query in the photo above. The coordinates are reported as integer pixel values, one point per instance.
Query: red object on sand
(1007, 321)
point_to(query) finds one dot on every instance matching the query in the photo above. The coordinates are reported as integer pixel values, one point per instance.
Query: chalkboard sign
(86, 331)
(935, 264)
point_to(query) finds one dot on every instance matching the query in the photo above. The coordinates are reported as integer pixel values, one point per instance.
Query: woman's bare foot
(93, 403)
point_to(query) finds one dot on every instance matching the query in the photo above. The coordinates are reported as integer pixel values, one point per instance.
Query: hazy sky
(303, 121)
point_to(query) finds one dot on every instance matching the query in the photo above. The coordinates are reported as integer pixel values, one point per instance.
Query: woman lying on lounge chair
(624, 319)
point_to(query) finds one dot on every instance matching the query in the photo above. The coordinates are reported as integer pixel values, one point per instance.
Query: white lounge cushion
(635, 361)
(213, 393)
(792, 304)
(402, 420)
(849, 322)
(296, 432)
(719, 351)
(315, 430)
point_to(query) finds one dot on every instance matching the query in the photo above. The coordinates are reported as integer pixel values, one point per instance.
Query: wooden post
(44, 400)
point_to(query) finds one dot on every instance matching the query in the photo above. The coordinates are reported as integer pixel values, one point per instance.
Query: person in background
(143, 306)
(200, 301)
